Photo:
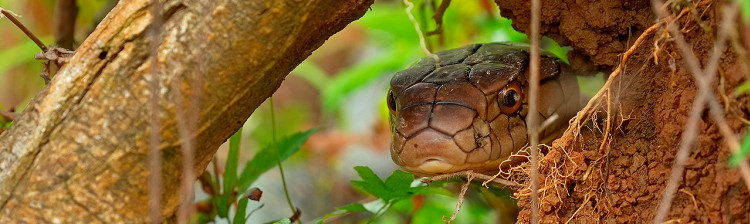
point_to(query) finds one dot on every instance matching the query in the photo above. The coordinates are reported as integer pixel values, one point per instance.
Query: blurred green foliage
(389, 31)
(233, 188)
(745, 4)
(741, 155)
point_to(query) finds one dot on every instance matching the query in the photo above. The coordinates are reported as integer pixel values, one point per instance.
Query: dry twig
(65, 23)
(12, 17)
(12, 116)
(438, 17)
(532, 119)
(155, 163)
(473, 175)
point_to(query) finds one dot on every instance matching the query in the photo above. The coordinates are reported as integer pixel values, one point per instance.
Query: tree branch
(88, 130)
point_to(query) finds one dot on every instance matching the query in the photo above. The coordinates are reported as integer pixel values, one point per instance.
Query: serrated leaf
(239, 216)
(266, 158)
(399, 180)
(230, 170)
(371, 183)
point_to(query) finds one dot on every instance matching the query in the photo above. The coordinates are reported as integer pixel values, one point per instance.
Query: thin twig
(532, 119)
(155, 166)
(546, 123)
(11, 16)
(10, 115)
(187, 125)
(278, 159)
(65, 23)
(422, 42)
(187, 129)
(438, 17)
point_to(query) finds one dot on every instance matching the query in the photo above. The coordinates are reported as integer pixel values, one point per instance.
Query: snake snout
(430, 151)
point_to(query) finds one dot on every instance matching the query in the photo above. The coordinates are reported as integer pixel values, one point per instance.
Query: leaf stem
(380, 211)
(278, 159)
(24, 29)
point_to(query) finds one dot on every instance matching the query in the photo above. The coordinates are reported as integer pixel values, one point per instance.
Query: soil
(623, 181)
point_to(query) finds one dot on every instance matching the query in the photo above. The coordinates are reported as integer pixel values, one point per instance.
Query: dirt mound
(616, 168)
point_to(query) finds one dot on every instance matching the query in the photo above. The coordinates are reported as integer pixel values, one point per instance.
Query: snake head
(467, 111)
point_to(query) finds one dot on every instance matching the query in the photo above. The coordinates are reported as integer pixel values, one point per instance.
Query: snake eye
(391, 102)
(510, 98)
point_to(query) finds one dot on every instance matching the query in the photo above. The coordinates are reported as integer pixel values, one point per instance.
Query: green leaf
(399, 180)
(222, 205)
(741, 155)
(265, 159)
(745, 7)
(239, 216)
(433, 212)
(354, 207)
(348, 80)
(283, 221)
(18, 54)
(371, 183)
(743, 88)
(425, 190)
(230, 170)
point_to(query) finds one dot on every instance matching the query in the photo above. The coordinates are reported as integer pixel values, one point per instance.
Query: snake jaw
(433, 165)
(430, 151)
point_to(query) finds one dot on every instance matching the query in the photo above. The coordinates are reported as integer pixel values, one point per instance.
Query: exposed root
(587, 111)
(692, 197)
(460, 199)
(470, 175)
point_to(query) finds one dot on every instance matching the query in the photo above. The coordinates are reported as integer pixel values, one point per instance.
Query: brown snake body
(469, 112)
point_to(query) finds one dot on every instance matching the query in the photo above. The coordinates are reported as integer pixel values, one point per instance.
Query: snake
(467, 110)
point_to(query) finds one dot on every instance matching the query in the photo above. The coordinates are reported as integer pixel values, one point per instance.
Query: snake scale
(468, 112)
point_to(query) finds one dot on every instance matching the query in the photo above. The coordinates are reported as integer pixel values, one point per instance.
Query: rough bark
(79, 151)
(623, 180)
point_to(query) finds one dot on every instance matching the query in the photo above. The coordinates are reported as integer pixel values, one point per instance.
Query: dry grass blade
(532, 119)
(155, 166)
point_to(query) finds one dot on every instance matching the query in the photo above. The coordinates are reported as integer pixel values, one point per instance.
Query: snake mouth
(434, 165)
(430, 152)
